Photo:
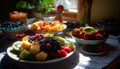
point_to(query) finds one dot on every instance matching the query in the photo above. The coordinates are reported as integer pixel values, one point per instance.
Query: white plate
(90, 53)
(14, 56)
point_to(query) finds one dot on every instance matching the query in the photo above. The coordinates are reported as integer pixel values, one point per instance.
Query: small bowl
(87, 42)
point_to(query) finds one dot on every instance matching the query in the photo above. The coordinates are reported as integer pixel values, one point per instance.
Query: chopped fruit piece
(42, 47)
(48, 46)
(46, 35)
(16, 45)
(34, 26)
(26, 44)
(36, 35)
(25, 38)
(46, 26)
(66, 48)
(98, 36)
(89, 30)
(41, 56)
(34, 49)
(89, 33)
(59, 38)
(35, 43)
(63, 53)
(24, 54)
(72, 47)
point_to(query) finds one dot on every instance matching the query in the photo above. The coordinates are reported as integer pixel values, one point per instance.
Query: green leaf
(48, 1)
(22, 4)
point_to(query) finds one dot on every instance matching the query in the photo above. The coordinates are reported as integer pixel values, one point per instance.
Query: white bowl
(87, 42)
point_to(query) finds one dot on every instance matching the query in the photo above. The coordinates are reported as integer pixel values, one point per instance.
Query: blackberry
(55, 45)
(74, 24)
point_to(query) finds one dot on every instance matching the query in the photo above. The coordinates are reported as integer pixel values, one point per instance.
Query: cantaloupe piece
(41, 56)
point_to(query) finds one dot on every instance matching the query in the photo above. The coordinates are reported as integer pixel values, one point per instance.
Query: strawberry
(61, 53)
(98, 36)
(86, 36)
(81, 35)
(66, 48)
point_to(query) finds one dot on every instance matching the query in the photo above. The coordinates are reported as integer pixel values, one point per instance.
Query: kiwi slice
(89, 30)
(16, 45)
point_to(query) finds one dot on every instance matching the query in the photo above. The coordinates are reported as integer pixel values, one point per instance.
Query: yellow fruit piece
(58, 27)
(41, 56)
(62, 27)
(54, 28)
(34, 26)
(34, 49)
(25, 38)
(46, 28)
(59, 38)
(72, 47)
(35, 43)
(25, 44)
(46, 35)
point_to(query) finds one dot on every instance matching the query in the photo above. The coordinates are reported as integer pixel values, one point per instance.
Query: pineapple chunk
(34, 49)
(26, 44)
(41, 56)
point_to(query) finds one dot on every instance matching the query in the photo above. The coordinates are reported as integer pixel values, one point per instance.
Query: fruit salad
(89, 33)
(42, 47)
(71, 25)
(46, 26)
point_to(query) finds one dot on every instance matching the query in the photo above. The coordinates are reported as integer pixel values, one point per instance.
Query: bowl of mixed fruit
(89, 35)
(71, 25)
(41, 48)
(47, 26)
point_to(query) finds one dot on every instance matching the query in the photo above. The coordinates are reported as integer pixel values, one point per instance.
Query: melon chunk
(41, 56)
(34, 49)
